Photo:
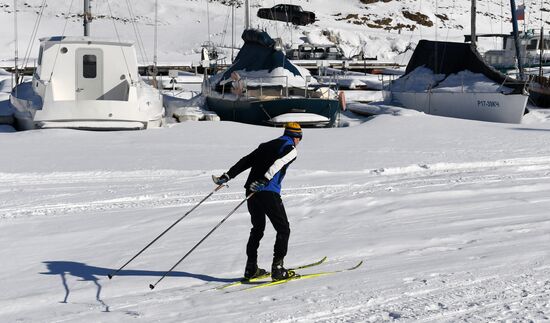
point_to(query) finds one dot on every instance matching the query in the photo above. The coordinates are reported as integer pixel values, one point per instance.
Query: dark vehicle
(288, 13)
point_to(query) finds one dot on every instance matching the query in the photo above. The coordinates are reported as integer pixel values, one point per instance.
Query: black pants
(259, 205)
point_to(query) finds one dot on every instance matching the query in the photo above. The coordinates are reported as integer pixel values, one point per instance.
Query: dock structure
(313, 66)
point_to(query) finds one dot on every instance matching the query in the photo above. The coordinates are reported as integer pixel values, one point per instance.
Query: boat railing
(261, 83)
(244, 87)
(265, 87)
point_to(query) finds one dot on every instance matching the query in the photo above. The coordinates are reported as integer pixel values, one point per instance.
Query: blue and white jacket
(269, 162)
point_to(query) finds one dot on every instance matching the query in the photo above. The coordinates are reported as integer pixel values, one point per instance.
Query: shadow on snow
(95, 274)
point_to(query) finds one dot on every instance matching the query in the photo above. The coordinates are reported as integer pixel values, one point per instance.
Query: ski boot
(252, 271)
(279, 272)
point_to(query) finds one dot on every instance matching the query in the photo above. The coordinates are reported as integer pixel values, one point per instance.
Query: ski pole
(111, 275)
(152, 286)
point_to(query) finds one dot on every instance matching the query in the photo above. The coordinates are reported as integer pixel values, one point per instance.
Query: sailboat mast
(232, 31)
(15, 43)
(541, 46)
(156, 33)
(87, 17)
(246, 15)
(516, 40)
(208, 21)
(473, 24)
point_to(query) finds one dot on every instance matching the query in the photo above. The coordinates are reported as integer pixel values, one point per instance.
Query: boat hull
(260, 112)
(491, 107)
(539, 92)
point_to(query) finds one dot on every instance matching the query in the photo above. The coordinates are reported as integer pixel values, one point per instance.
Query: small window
(546, 44)
(532, 44)
(40, 53)
(89, 66)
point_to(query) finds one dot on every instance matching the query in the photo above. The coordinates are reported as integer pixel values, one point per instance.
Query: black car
(288, 13)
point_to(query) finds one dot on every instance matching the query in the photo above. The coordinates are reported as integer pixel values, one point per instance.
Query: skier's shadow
(95, 274)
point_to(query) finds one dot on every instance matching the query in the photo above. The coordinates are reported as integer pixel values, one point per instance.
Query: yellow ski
(267, 275)
(306, 276)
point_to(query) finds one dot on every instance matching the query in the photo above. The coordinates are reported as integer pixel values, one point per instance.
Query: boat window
(546, 44)
(40, 55)
(532, 44)
(89, 66)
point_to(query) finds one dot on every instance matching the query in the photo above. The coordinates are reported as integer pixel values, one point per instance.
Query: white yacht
(86, 83)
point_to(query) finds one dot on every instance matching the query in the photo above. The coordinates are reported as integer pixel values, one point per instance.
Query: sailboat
(264, 87)
(452, 80)
(86, 83)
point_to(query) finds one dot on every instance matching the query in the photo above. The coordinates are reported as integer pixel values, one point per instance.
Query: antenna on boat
(87, 17)
(246, 15)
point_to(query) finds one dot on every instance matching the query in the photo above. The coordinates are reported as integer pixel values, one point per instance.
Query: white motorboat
(87, 83)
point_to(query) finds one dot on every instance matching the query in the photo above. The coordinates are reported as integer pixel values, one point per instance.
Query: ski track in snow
(167, 188)
(455, 295)
(489, 298)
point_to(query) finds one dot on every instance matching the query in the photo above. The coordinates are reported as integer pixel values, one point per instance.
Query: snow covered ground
(450, 217)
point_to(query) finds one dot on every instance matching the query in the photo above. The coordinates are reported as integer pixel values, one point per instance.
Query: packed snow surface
(450, 217)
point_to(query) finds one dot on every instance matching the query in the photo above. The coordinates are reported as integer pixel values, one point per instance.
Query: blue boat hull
(261, 112)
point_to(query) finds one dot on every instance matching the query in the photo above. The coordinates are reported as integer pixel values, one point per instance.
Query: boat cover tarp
(259, 54)
(450, 58)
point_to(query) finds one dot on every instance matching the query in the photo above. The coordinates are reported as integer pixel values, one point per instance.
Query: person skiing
(268, 164)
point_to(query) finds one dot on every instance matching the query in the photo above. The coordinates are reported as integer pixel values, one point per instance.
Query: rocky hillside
(380, 28)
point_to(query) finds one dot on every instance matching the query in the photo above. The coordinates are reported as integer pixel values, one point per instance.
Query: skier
(268, 165)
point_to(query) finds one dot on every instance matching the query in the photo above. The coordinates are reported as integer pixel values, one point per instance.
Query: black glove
(258, 185)
(222, 179)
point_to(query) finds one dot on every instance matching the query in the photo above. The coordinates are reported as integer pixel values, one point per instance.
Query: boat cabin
(530, 46)
(84, 82)
(78, 68)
